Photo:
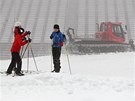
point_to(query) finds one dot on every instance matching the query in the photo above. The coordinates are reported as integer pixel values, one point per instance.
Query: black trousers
(16, 60)
(56, 52)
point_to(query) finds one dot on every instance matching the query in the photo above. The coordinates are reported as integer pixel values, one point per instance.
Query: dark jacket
(61, 39)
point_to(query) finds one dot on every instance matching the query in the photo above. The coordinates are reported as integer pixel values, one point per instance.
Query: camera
(28, 32)
(29, 40)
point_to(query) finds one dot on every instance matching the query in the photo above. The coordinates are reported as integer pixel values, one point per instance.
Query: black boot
(8, 73)
(57, 70)
(19, 74)
(53, 70)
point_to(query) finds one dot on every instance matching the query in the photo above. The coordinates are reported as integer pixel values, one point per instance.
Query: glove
(65, 39)
(61, 44)
(24, 38)
(28, 32)
(29, 40)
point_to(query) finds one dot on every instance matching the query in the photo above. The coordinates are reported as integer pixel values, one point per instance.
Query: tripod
(29, 49)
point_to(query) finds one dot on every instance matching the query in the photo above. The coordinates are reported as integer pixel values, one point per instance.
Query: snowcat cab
(111, 32)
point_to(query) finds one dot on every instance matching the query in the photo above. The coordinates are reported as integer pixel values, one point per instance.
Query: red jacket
(18, 40)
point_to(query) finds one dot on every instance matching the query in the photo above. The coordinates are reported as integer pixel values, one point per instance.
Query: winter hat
(17, 24)
(56, 26)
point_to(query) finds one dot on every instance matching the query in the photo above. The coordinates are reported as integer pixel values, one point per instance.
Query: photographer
(19, 40)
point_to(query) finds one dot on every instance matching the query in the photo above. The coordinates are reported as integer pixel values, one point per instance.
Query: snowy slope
(105, 77)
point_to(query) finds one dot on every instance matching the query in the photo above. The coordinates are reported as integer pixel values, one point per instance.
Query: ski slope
(104, 77)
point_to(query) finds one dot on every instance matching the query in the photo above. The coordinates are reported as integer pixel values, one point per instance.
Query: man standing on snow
(19, 36)
(57, 39)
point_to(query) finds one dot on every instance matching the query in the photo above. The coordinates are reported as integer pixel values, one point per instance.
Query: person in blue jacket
(57, 43)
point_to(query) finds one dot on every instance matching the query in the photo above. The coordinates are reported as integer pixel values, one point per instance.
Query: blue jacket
(60, 36)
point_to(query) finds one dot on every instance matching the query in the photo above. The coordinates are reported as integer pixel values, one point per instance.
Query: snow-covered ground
(104, 77)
